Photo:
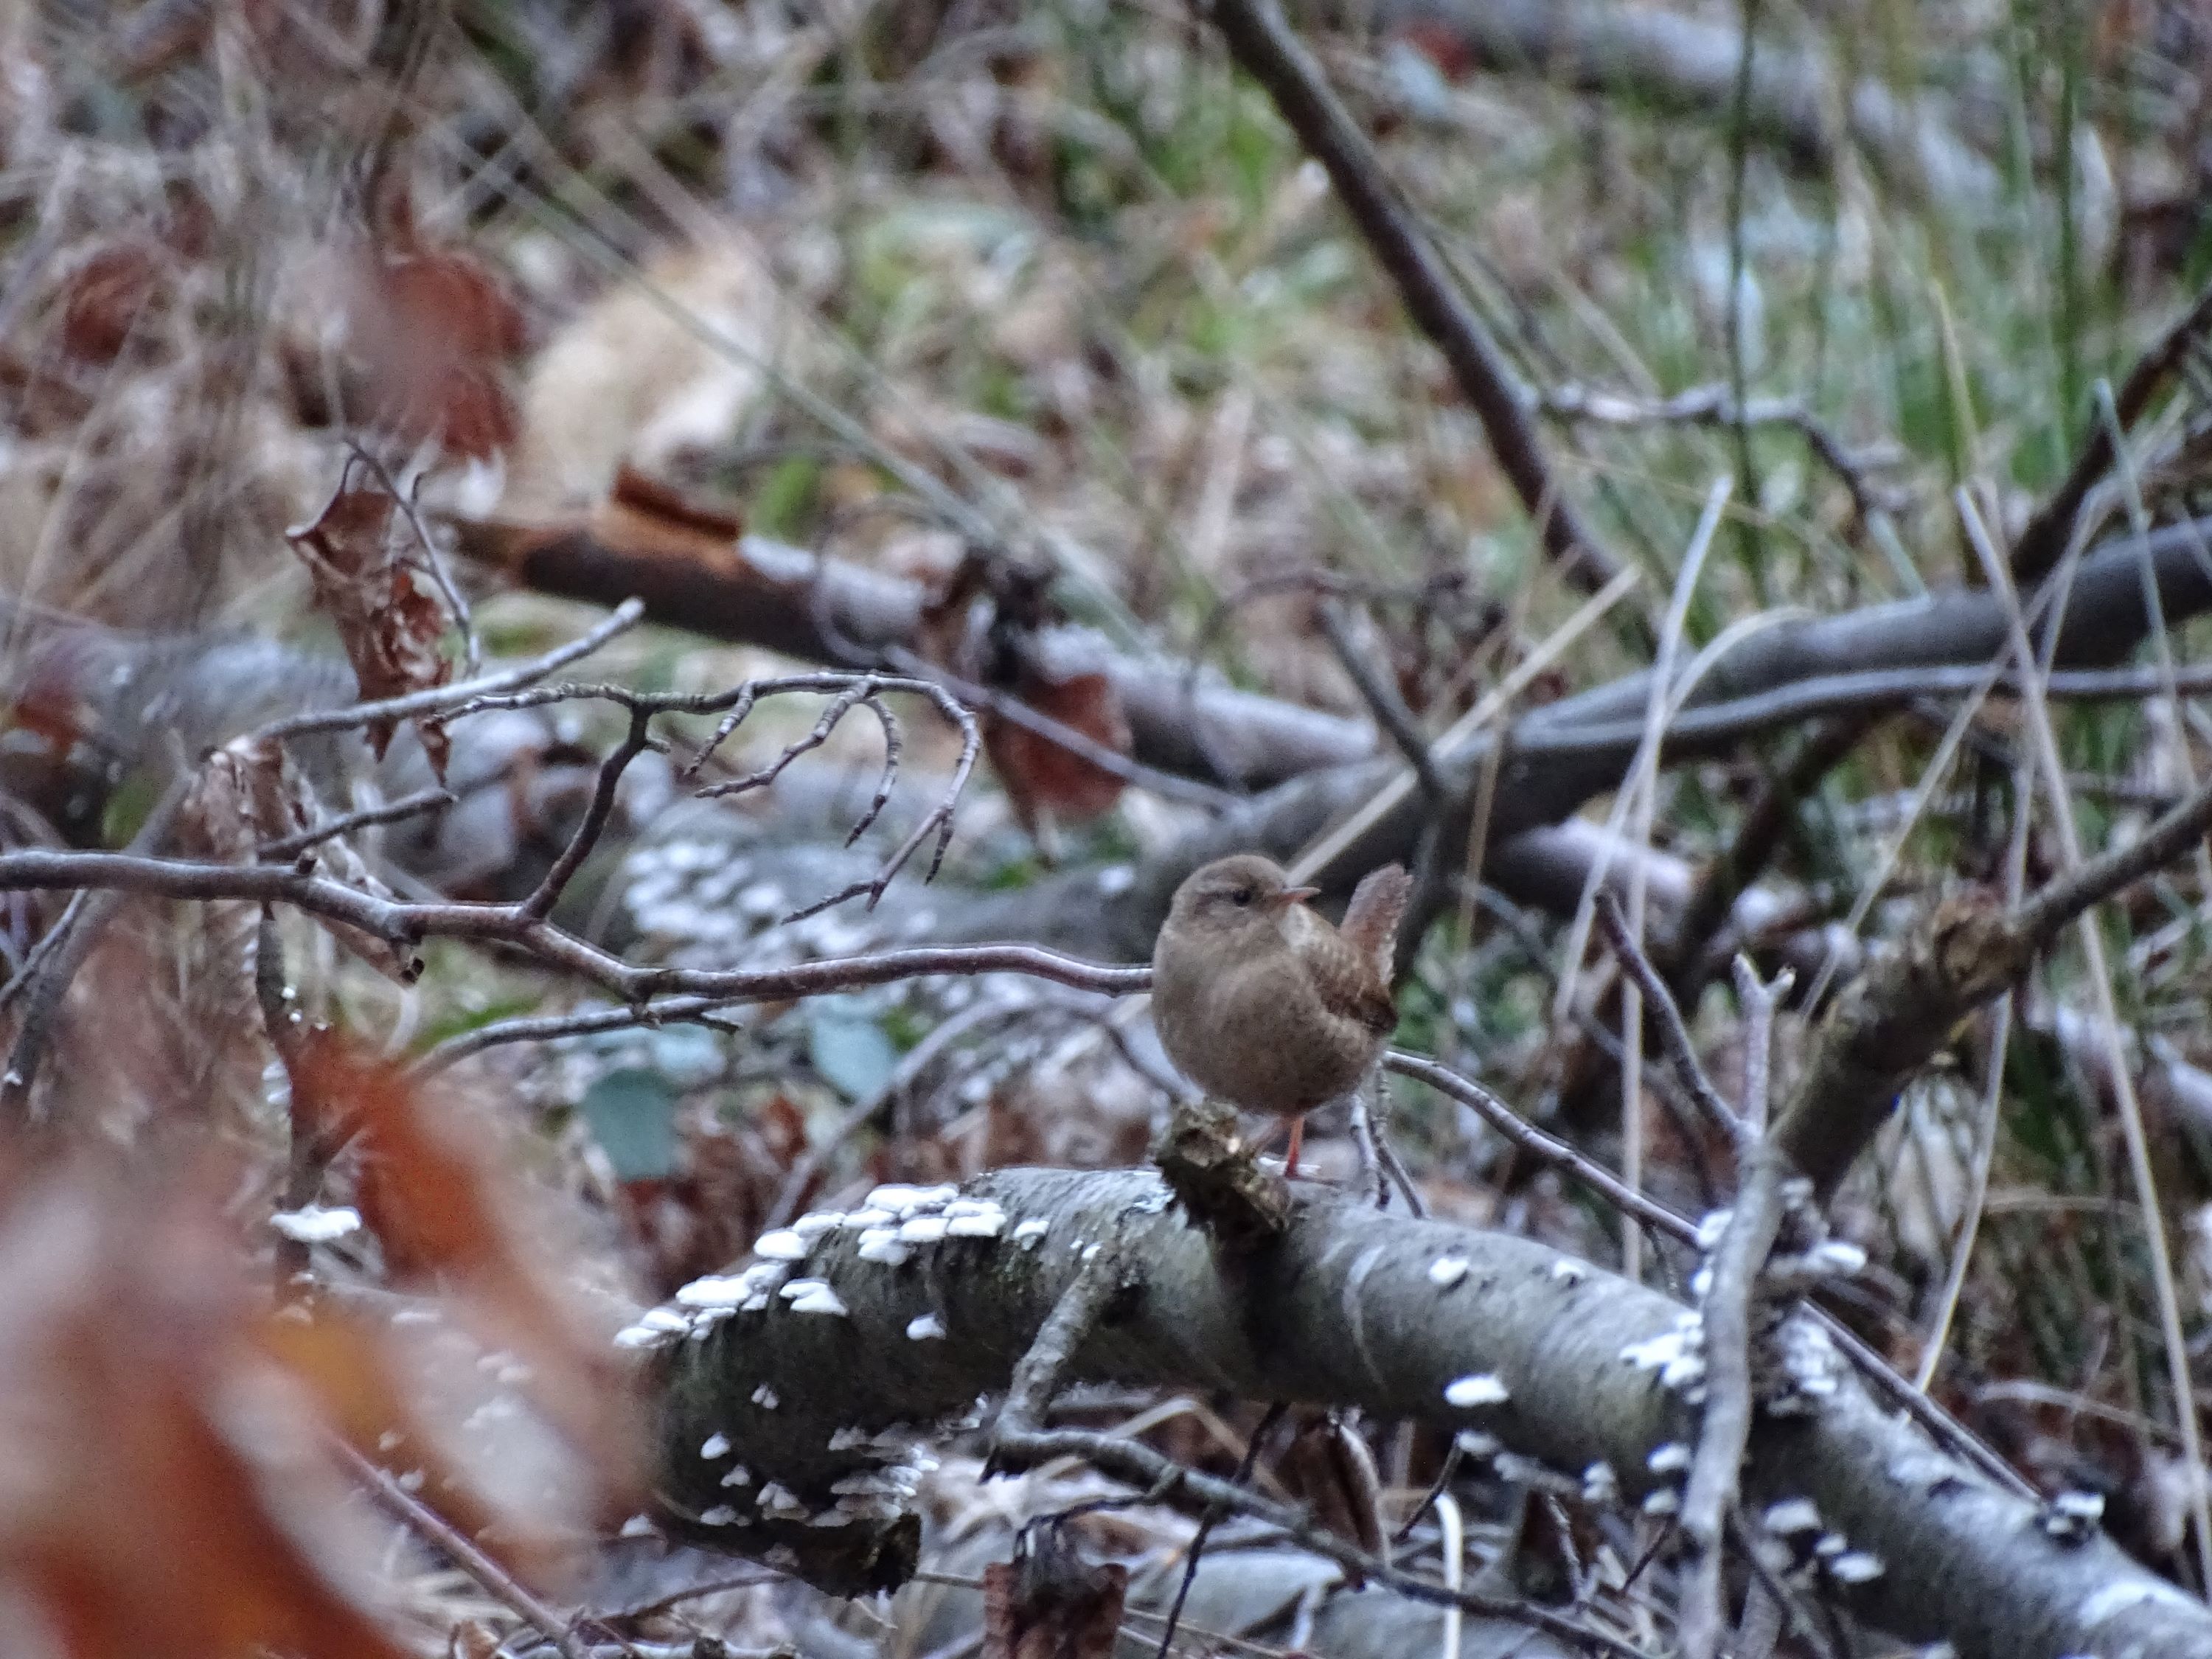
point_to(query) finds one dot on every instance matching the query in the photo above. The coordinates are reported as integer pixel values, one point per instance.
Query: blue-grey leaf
(632, 1113)
(849, 1050)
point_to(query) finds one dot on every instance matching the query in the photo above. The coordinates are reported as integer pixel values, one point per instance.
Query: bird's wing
(1350, 988)
(1370, 921)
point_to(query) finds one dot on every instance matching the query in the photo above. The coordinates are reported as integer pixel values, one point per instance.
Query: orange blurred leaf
(432, 1193)
(144, 1449)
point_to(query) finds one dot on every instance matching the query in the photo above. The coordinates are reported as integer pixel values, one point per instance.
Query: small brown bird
(1260, 1002)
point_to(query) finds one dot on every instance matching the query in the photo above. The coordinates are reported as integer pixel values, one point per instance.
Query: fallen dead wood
(789, 1424)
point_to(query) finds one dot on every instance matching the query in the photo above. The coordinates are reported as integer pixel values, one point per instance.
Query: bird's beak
(1290, 895)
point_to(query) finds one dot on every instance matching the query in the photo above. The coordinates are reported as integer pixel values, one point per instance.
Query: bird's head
(1246, 896)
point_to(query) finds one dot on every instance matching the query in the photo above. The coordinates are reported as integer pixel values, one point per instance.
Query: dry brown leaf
(624, 382)
(434, 331)
(1328, 1466)
(388, 620)
(1040, 774)
(107, 294)
(1049, 1603)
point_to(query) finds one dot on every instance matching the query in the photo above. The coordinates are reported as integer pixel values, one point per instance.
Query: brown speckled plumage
(1259, 1001)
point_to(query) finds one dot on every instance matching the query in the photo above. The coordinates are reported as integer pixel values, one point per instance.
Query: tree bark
(1343, 1308)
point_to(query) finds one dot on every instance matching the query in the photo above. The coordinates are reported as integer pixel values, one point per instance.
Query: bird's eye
(1241, 897)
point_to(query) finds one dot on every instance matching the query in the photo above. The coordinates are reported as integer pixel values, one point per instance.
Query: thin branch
(1674, 1033)
(48, 976)
(1658, 1217)
(472, 645)
(1758, 836)
(539, 903)
(1725, 1430)
(1135, 1464)
(1082, 744)
(407, 806)
(1264, 45)
(1381, 698)
(307, 1153)
(439, 699)
(1037, 1376)
(2062, 901)
(449, 1541)
(844, 687)
(2047, 533)
(401, 922)
(1716, 406)
(2172, 834)
(1531, 1139)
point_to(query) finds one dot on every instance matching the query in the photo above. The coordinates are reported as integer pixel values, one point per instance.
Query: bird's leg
(1291, 1157)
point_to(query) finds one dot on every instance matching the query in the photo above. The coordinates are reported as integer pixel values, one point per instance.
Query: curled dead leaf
(388, 619)
(1328, 1466)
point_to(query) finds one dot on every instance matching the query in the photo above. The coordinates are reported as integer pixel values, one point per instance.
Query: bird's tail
(1370, 921)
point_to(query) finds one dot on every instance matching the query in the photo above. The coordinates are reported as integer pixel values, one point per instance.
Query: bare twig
(1166, 785)
(539, 903)
(2059, 902)
(403, 922)
(1765, 823)
(448, 1539)
(1381, 698)
(2173, 835)
(1674, 1033)
(1715, 406)
(1725, 1428)
(48, 974)
(1268, 1422)
(1038, 1375)
(846, 690)
(1531, 1139)
(1136, 1464)
(1660, 1219)
(439, 700)
(307, 1154)
(2047, 533)
(456, 603)
(407, 806)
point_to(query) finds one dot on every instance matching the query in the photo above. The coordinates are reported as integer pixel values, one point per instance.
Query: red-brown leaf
(389, 623)
(1039, 774)
(1049, 1603)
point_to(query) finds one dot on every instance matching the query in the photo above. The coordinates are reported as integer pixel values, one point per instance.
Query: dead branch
(1265, 46)
(780, 1406)
(2043, 541)
(1715, 406)
(1887, 1024)
(1732, 1288)
(1686, 65)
